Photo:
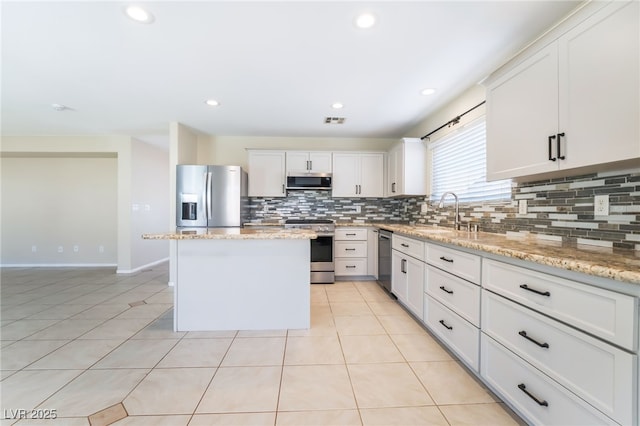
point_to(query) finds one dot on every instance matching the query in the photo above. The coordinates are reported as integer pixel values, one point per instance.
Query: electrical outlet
(424, 208)
(34, 249)
(358, 209)
(60, 249)
(601, 205)
(100, 249)
(76, 249)
(522, 206)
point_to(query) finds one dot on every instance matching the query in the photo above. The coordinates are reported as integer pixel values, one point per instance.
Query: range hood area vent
(334, 120)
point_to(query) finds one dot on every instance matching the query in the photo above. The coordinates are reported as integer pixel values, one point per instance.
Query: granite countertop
(618, 264)
(271, 233)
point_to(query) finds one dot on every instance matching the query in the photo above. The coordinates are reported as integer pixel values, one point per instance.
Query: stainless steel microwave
(309, 181)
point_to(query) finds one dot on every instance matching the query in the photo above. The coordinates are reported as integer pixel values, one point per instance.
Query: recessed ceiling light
(138, 14)
(366, 20)
(212, 102)
(337, 105)
(428, 92)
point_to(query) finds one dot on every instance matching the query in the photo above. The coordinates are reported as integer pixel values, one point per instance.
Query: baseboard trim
(140, 268)
(59, 265)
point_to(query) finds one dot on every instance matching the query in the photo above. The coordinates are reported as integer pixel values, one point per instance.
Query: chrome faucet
(456, 225)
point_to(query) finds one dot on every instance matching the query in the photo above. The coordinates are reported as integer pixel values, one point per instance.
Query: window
(458, 164)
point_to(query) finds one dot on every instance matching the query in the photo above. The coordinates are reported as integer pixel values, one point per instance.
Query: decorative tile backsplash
(556, 208)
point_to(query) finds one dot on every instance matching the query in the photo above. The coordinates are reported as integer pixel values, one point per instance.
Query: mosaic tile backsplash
(557, 209)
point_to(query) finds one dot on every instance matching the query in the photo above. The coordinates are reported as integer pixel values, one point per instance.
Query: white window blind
(459, 165)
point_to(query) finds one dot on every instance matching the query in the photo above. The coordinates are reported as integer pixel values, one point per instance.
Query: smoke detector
(334, 120)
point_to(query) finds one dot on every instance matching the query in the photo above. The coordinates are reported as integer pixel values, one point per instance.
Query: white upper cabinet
(357, 174)
(267, 174)
(308, 162)
(574, 103)
(406, 165)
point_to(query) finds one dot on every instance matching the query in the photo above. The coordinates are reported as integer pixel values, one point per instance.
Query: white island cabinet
(241, 279)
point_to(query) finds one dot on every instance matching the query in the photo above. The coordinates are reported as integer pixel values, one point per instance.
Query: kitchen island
(240, 279)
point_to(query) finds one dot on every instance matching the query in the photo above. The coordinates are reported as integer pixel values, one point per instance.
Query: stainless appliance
(211, 196)
(384, 259)
(302, 180)
(322, 264)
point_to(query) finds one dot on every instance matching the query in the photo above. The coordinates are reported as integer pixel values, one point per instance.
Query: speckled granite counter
(264, 233)
(617, 264)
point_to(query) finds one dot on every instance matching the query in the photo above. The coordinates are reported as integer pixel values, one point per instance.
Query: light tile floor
(96, 346)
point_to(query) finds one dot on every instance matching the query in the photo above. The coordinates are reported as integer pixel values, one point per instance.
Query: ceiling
(275, 67)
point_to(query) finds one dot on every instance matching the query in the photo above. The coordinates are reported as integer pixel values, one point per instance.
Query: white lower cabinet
(540, 400)
(609, 315)
(598, 372)
(351, 252)
(558, 351)
(407, 275)
(455, 293)
(460, 335)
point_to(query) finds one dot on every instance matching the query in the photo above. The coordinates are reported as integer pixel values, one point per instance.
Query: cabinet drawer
(409, 246)
(459, 263)
(351, 266)
(603, 313)
(511, 377)
(351, 249)
(347, 234)
(603, 376)
(457, 294)
(458, 334)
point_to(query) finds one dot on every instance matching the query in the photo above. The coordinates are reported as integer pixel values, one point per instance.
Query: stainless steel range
(322, 265)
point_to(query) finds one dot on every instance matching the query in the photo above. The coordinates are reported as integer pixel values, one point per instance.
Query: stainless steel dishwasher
(384, 259)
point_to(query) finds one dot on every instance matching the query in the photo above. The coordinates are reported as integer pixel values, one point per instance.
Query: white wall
(120, 150)
(232, 150)
(50, 202)
(149, 203)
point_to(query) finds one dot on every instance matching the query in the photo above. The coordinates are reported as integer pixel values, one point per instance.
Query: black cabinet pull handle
(403, 266)
(404, 245)
(551, 157)
(445, 290)
(560, 135)
(350, 235)
(351, 266)
(541, 293)
(349, 249)
(524, 334)
(523, 388)
(446, 259)
(444, 324)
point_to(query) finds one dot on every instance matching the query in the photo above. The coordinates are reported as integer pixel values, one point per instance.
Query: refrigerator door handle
(207, 191)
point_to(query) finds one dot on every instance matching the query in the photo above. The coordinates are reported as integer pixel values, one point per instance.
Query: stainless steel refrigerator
(211, 196)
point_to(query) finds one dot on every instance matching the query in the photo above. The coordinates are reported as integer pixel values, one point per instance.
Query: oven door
(322, 253)
(322, 269)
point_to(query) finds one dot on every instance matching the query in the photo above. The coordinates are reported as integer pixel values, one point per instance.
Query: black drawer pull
(349, 249)
(524, 334)
(444, 324)
(404, 245)
(445, 290)
(541, 293)
(523, 388)
(446, 259)
(350, 235)
(560, 135)
(551, 157)
(350, 266)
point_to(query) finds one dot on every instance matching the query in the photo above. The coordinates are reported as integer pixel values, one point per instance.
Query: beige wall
(119, 212)
(52, 202)
(149, 203)
(232, 150)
